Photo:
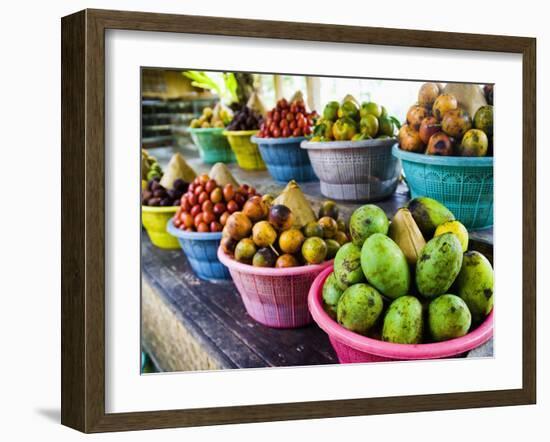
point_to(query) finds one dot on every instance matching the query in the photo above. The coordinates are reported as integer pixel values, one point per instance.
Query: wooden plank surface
(214, 315)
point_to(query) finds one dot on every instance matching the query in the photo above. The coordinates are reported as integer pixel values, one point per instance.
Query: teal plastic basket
(463, 184)
(212, 144)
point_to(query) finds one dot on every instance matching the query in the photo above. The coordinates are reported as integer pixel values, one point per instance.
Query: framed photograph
(267, 221)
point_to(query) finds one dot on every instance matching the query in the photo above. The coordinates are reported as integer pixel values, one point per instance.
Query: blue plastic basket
(212, 144)
(463, 184)
(285, 160)
(201, 250)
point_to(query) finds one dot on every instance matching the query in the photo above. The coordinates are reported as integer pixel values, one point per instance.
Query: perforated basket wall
(464, 185)
(201, 251)
(274, 297)
(355, 170)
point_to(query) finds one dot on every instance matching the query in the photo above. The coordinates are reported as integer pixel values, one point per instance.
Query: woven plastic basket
(351, 347)
(355, 170)
(463, 184)
(201, 252)
(154, 220)
(285, 160)
(212, 144)
(247, 153)
(274, 297)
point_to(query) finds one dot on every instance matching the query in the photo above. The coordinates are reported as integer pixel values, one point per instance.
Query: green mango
(438, 265)
(385, 266)
(365, 221)
(448, 318)
(359, 308)
(428, 214)
(347, 266)
(474, 284)
(331, 295)
(331, 111)
(403, 323)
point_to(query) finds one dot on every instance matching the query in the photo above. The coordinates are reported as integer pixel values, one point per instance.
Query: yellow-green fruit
(347, 265)
(365, 221)
(245, 250)
(448, 318)
(331, 295)
(474, 285)
(386, 127)
(438, 265)
(314, 250)
(291, 241)
(428, 214)
(370, 108)
(457, 228)
(369, 125)
(348, 109)
(474, 144)
(385, 266)
(312, 229)
(359, 308)
(403, 323)
(344, 129)
(332, 247)
(330, 113)
(264, 234)
(329, 226)
(483, 119)
(341, 237)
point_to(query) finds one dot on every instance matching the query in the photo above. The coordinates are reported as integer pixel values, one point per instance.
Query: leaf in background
(231, 86)
(202, 80)
(396, 122)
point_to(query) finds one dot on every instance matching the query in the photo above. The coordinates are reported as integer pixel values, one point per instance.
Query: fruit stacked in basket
(390, 285)
(446, 148)
(285, 127)
(274, 249)
(452, 121)
(203, 211)
(161, 194)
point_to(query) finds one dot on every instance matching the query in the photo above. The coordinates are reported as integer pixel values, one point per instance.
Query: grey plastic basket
(355, 170)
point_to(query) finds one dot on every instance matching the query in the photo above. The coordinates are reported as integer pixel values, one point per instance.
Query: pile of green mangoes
(410, 281)
(351, 121)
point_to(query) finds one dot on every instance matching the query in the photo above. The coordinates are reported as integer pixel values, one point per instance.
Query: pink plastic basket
(351, 347)
(274, 297)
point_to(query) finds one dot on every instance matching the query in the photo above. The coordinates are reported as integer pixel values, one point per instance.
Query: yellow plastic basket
(154, 220)
(247, 153)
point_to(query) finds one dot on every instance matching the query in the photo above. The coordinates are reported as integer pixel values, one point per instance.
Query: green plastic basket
(463, 184)
(212, 144)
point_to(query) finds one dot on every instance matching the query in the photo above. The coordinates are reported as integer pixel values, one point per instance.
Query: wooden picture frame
(83, 215)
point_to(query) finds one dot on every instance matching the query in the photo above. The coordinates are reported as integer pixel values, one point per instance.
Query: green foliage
(226, 91)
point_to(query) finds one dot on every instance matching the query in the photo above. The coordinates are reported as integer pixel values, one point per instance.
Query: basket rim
(364, 344)
(280, 140)
(199, 236)
(160, 209)
(206, 129)
(231, 264)
(241, 133)
(442, 160)
(330, 145)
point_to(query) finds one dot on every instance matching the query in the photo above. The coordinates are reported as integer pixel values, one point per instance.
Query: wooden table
(190, 324)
